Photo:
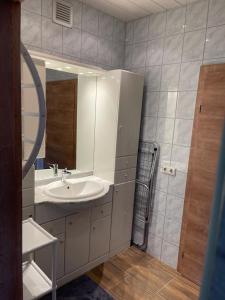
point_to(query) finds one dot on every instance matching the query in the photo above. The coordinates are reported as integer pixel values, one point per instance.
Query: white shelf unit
(35, 282)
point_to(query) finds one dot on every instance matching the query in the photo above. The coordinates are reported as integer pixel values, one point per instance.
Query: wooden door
(206, 139)
(61, 101)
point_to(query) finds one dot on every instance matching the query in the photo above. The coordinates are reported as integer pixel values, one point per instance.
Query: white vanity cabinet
(77, 240)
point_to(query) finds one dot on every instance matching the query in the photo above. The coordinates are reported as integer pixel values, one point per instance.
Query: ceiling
(128, 10)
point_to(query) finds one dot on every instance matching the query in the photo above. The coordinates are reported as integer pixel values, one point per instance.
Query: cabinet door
(122, 215)
(77, 240)
(100, 237)
(43, 258)
(129, 114)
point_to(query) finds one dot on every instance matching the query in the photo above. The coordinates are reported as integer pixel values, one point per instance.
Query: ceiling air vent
(63, 13)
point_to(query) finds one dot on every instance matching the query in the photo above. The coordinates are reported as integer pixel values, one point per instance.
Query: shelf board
(35, 283)
(35, 237)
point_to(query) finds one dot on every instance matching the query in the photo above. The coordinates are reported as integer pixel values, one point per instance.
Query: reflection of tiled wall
(168, 48)
(96, 38)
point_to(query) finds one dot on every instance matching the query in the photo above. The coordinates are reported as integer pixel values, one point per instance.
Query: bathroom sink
(74, 189)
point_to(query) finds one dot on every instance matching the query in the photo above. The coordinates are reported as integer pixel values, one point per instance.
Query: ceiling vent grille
(63, 13)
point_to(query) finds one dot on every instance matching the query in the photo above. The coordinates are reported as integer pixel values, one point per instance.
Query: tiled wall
(168, 48)
(96, 38)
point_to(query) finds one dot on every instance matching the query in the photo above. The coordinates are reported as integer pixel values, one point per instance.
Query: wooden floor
(134, 275)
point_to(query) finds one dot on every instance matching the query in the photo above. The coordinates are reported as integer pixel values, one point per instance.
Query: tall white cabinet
(118, 117)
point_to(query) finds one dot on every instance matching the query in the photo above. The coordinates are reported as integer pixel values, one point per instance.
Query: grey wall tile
(106, 24)
(46, 8)
(170, 77)
(173, 49)
(31, 28)
(175, 20)
(154, 246)
(157, 25)
(189, 76)
(129, 32)
(177, 184)
(169, 254)
(180, 157)
(51, 35)
(183, 132)
(156, 227)
(155, 52)
(119, 30)
(139, 55)
(162, 181)
(32, 6)
(148, 131)
(216, 12)
(141, 29)
(167, 104)
(174, 206)
(153, 78)
(196, 16)
(159, 204)
(128, 56)
(165, 127)
(186, 105)
(77, 13)
(215, 42)
(118, 52)
(72, 41)
(89, 46)
(90, 18)
(194, 43)
(172, 228)
(105, 51)
(165, 153)
(151, 104)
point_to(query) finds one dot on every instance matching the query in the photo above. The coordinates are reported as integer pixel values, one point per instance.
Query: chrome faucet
(54, 168)
(65, 173)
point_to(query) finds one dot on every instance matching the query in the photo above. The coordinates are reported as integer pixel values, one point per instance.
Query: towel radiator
(147, 165)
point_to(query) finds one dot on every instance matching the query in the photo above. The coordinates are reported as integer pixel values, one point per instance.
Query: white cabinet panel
(77, 240)
(101, 211)
(122, 214)
(100, 237)
(129, 114)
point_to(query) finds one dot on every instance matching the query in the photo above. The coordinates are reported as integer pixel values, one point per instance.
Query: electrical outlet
(169, 170)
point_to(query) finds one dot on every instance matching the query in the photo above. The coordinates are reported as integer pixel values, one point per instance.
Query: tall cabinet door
(206, 139)
(129, 114)
(122, 215)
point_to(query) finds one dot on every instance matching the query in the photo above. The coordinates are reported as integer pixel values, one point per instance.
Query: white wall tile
(174, 207)
(162, 181)
(172, 228)
(106, 24)
(186, 105)
(169, 254)
(46, 8)
(105, 51)
(194, 43)
(129, 32)
(141, 29)
(183, 132)
(159, 203)
(156, 225)
(32, 6)
(177, 184)
(153, 78)
(175, 20)
(151, 104)
(170, 77)
(167, 104)
(196, 16)
(148, 132)
(173, 49)
(89, 45)
(180, 157)
(215, 42)
(157, 25)
(216, 12)
(51, 35)
(119, 31)
(90, 18)
(31, 28)
(165, 153)
(189, 76)
(165, 128)
(72, 41)
(139, 55)
(155, 52)
(154, 246)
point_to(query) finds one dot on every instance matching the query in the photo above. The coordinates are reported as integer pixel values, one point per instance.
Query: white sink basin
(75, 190)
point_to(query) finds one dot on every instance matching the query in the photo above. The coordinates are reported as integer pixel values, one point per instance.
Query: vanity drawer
(101, 211)
(125, 175)
(126, 162)
(55, 227)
